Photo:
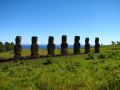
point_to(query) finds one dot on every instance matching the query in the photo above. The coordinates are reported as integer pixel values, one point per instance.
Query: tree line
(115, 43)
(7, 46)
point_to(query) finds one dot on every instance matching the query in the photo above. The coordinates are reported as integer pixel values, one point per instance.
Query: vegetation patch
(77, 72)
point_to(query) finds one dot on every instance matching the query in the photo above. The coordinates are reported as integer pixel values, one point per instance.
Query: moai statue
(34, 48)
(87, 45)
(64, 45)
(77, 45)
(17, 48)
(51, 46)
(97, 45)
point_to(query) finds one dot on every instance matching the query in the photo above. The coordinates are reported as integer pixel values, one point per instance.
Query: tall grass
(78, 72)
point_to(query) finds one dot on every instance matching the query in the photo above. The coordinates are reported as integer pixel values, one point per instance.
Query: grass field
(77, 72)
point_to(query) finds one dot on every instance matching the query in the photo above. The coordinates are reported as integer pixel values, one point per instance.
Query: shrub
(102, 56)
(90, 56)
(73, 66)
(5, 68)
(48, 61)
(110, 56)
(114, 55)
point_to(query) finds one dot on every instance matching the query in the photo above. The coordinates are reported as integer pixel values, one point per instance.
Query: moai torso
(51, 46)
(87, 45)
(64, 45)
(97, 45)
(77, 45)
(17, 47)
(34, 48)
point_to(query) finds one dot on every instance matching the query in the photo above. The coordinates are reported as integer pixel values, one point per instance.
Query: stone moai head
(51, 39)
(64, 39)
(18, 40)
(96, 40)
(87, 40)
(77, 39)
(34, 40)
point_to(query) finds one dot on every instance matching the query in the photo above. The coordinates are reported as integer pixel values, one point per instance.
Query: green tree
(118, 42)
(12, 46)
(7, 46)
(113, 43)
(1, 47)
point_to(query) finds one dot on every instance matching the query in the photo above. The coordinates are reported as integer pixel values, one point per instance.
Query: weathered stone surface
(87, 45)
(51, 46)
(64, 45)
(17, 47)
(97, 45)
(34, 48)
(77, 45)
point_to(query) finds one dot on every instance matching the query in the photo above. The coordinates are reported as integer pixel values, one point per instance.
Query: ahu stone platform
(51, 47)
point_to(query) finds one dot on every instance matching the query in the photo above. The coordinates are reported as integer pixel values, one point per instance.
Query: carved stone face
(96, 40)
(87, 40)
(34, 40)
(64, 38)
(18, 40)
(51, 39)
(77, 39)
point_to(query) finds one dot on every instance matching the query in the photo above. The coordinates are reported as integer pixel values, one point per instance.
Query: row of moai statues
(51, 46)
(87, 45)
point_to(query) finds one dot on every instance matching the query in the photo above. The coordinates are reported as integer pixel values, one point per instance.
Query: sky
(44, 18)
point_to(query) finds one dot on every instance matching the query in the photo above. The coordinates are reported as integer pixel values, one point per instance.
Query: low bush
(102, 56)
(48, 61)
(90, 56)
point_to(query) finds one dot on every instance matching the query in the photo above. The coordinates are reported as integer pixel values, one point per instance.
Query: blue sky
(43, 18)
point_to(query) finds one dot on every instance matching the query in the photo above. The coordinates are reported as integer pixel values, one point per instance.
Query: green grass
(79, 72)
(26, 52)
